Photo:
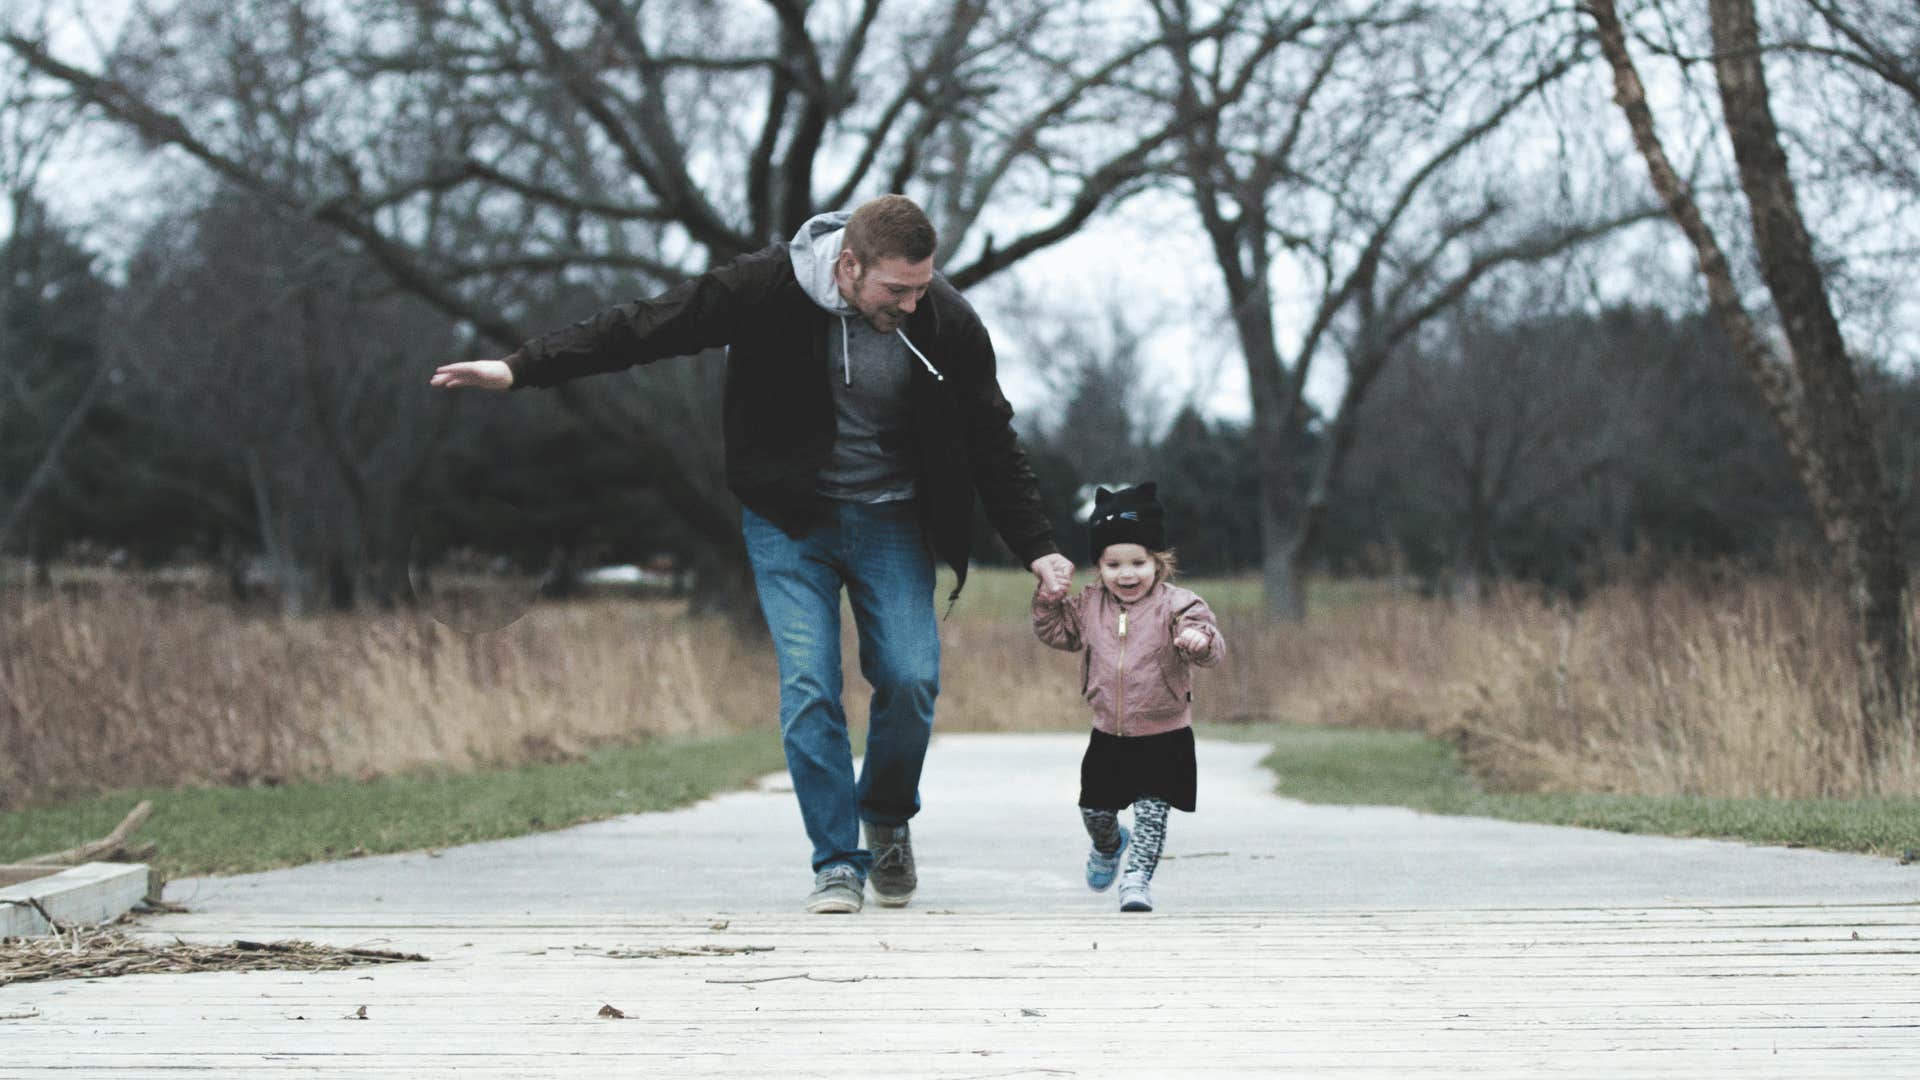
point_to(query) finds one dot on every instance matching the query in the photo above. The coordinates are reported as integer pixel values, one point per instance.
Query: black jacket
(779, 419)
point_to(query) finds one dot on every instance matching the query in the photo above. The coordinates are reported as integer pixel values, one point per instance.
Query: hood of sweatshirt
(813, 251)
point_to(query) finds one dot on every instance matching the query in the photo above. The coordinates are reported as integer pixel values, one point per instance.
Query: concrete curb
(90, 893)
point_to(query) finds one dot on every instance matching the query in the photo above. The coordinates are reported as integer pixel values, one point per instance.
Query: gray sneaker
(836, 891)
(892, 876)
(1133, 892)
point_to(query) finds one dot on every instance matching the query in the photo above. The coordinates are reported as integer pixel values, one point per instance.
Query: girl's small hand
(1055, 574)
(1193, 641)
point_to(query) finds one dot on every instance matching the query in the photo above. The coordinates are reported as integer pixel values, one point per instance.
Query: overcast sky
(1148, 259)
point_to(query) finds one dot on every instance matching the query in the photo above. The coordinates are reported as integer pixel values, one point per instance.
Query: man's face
(1127, 570)
(886, 292)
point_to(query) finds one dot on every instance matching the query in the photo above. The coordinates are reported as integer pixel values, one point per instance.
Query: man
(861, 414)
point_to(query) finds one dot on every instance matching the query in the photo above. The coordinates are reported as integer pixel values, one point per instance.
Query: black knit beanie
(1128, 516)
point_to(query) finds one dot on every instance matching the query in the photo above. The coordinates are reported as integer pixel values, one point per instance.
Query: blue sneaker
(1101, 869)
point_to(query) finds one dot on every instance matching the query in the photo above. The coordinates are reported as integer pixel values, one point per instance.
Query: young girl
(1139, 637)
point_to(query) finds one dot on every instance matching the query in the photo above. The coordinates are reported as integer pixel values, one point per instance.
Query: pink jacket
(1130, 672)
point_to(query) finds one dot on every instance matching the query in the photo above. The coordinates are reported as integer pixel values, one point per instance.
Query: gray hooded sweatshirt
(869, 372)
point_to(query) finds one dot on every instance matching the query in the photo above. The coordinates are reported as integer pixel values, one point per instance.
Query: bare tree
(1876, 50)
(1498, 424)
(480, 151)
(324, 441)
(1338, 169)
(1095, 366)
(1814, 392)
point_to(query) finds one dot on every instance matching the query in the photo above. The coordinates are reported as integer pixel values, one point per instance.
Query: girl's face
(1127, 570)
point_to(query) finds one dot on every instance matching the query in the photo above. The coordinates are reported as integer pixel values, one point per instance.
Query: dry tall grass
(124, 689)
(1741, 689)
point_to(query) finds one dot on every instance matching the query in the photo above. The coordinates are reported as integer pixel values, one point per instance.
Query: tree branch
(1366, 266)
(1871, 56)
(1774, 378)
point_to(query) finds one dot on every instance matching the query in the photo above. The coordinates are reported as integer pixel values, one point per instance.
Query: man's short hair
(890, 227)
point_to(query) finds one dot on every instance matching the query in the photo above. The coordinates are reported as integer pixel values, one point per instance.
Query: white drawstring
(846, 360)
(923, 358)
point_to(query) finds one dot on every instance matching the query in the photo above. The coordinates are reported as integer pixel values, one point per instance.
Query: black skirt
(1120, 769)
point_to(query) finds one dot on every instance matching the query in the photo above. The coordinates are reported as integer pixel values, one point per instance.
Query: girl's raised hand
(1193, 641)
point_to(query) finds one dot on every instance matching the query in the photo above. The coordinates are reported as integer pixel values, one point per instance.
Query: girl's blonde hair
(1165, 565)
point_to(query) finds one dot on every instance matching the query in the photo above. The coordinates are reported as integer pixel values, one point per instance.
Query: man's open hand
(485, 374)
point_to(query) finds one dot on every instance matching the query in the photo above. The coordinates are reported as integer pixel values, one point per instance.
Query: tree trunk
(1856, 505)
(1473, 569)
(1282, 539)
(1815, 401)
(1341, 434)
(1277, 431)
(1283, 578)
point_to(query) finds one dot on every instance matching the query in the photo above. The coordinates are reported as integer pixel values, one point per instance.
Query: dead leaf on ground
(608, 1012)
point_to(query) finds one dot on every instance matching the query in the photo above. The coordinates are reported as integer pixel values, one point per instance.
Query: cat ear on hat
(1101, 495)
(1148, 489)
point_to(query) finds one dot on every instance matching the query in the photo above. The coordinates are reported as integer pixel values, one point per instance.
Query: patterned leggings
(1149, 833)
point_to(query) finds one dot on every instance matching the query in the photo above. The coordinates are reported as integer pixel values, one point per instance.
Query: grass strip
(236, 830)
(1400, 768)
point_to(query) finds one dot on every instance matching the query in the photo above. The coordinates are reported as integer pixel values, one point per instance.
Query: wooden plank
(1680, 992)
(89, 893)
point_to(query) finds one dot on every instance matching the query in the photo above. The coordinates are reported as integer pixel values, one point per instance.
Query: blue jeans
(877, 551)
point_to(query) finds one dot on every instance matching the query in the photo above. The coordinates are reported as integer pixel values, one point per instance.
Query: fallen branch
(95, 851)
(99, 952)
(304, 948)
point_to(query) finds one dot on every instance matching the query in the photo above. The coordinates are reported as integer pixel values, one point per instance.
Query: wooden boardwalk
(1801, 992)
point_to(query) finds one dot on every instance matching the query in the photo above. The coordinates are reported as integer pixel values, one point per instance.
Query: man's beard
(881, 319)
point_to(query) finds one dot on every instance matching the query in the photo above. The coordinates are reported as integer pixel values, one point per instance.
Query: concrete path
(1290, 940)
(999, 833)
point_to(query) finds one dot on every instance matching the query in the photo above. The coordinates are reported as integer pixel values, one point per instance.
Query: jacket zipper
(1120, 708)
